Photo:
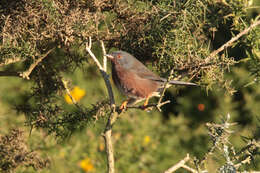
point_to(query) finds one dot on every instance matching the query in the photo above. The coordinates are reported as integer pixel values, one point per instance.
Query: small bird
(135, 80)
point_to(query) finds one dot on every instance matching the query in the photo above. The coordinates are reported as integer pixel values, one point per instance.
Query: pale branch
(189, 169)
(164, 89)
(157, 105)
(247, 160)
(65, 85)
(181, 164)
(229, 43)
(11, 61)
(105, 57)
(27, 73)
(112, 117)
(109, 149)
(88, 49)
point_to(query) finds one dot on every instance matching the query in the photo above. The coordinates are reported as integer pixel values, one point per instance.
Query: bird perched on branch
(135, 80)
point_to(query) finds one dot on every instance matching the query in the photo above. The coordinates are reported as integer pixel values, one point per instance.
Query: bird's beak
(109, 56)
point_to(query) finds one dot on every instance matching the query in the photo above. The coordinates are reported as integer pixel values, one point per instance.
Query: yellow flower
(86, 165)
(146, 140)
(77, 93)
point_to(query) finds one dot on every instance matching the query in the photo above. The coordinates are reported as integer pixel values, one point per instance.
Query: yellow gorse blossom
(77, 93)
(146, 140)
(86, 165)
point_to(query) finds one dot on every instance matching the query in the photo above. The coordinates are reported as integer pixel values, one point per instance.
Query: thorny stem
(229, 43)
(27, 73)
(164, 89)
(65, 85)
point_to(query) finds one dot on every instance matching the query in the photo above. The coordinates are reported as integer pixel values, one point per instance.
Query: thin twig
(149, 105)
(229, 43)
(27, 73)
(247, 160)
(9, 73)
(178, 165)
(164, 89)
(65, 85)
(189, 169)
(88, 48)
(105, 57)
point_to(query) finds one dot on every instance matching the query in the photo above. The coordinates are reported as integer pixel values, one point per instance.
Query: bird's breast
(131, 84)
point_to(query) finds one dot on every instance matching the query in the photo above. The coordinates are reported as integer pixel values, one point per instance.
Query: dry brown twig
(159, 104)
(233, 39)
(27, 73)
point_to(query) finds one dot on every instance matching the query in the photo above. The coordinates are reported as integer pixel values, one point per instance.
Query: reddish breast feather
(131, 84)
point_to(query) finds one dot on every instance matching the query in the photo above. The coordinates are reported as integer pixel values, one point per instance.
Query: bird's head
(122, 58)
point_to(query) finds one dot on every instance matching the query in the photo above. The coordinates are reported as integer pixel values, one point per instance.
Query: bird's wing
(143, 72)
(147, 74)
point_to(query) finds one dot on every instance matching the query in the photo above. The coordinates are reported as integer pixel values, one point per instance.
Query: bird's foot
(123, 106)
(147, 109)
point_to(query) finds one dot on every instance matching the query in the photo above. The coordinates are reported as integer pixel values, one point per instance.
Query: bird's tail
(175, 82)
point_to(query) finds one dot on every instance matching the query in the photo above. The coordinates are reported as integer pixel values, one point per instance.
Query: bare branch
(88, 49)
(27, 73)
(9, 73)
(105, 57)
(113, 116)
(65, 85)
(229, 43)
(180, 164)
(157, 105)
(164, 89)
(189, 169)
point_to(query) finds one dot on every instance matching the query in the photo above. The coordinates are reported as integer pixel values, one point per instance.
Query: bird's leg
(146, 101)
(123, 105)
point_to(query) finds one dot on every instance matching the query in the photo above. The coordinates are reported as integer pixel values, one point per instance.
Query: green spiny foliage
(177, 35)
